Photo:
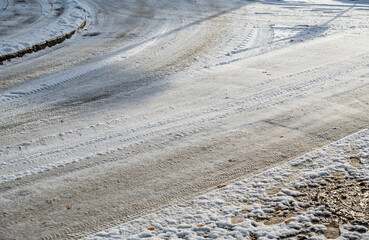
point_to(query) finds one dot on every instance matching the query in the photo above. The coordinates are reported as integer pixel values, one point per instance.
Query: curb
(40, 46)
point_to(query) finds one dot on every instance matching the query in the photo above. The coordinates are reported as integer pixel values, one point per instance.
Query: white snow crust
(210, 215)
(161, 91)
(73, 14)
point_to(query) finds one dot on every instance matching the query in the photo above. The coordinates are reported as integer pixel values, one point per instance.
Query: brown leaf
(61, 121)
(253, 236)
(231, 160)
(201, 225)
(288, 220)
(69, 207)
(221, 186)
(151, 229)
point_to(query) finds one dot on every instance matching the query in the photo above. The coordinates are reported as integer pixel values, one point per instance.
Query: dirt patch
(345, 198)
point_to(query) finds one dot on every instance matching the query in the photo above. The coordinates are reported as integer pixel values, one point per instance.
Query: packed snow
(55, 19)
(155, 102)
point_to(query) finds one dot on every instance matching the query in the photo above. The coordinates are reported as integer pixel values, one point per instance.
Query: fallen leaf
(253, 236)
(288, 220)
(61, 121)
(69, 207)
(201, 225)
(278, 208)
(284, 155)
(231, 160)
(5, 83)
(221, 186)
(151, 229)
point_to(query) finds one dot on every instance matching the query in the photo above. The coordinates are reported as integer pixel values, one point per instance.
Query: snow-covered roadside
(72, 14)
(323, 194)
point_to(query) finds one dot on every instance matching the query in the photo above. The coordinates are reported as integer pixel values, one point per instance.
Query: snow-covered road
(146, 106)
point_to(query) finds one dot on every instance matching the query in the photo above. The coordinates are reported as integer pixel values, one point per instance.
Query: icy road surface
(147, 104)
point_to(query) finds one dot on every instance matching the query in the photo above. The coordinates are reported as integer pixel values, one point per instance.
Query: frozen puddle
(323, 194)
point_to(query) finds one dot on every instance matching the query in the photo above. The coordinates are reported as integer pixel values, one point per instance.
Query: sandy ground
(145, 107)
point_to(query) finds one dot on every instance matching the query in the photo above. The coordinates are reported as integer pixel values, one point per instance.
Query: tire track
(185, 125)
(117, 157)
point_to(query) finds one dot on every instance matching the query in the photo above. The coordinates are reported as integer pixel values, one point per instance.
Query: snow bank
(74, 14)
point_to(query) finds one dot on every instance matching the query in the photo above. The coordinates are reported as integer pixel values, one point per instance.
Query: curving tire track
(173, 96)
